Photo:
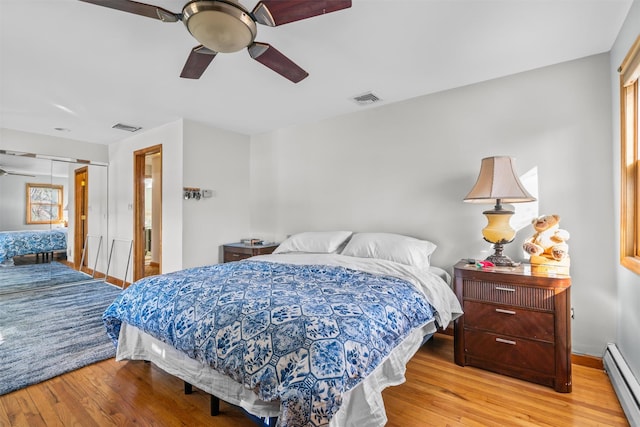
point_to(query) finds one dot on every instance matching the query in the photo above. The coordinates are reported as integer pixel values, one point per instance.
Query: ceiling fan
(5, 173)
(224, 26)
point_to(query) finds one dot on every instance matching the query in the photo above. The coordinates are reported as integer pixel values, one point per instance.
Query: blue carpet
(21, 278)
(55, 330)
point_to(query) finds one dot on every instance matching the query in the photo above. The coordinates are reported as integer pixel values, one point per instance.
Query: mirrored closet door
(53, 221)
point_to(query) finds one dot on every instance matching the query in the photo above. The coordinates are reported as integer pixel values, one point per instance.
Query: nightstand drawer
(510, 351)
(509, 294)
(508, 320)
(230, 255)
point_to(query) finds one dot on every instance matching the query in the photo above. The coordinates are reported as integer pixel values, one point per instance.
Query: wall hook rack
(190, 193)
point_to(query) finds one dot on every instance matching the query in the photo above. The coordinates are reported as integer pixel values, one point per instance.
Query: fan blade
(271, 57)
(198, 61)
(143, 9)
(278, 12)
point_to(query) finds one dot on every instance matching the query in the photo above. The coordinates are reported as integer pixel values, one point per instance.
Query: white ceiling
(75, 65)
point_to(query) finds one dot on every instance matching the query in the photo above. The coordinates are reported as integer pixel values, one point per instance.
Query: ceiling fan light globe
(221, 27)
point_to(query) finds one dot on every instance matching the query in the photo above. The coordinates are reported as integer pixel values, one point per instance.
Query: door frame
(139, 161)
(81, 207)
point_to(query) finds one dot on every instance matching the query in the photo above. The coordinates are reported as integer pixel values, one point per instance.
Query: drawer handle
(500, 288)
(503, 341)
(500, 310)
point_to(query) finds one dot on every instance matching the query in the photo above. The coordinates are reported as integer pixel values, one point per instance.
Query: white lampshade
(498, 181)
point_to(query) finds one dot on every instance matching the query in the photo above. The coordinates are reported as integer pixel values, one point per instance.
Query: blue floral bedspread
(14, 243)
(303, 334)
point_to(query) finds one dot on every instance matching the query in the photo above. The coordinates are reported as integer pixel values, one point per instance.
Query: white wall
(406, 167)
(628, 283)
(215, 160)
(193, 155)
(121, 195)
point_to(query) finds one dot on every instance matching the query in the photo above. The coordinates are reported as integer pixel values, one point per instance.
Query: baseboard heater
(624, 383)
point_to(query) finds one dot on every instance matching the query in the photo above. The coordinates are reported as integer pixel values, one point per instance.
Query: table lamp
(498, 183)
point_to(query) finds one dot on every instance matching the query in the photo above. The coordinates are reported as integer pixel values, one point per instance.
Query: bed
(14, 243)
(311, 334)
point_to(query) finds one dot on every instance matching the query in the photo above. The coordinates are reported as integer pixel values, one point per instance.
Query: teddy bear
(548, 244)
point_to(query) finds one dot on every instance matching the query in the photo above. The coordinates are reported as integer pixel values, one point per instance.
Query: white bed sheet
(362, 405)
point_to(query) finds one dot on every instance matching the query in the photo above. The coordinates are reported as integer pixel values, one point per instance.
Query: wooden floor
(437, 393)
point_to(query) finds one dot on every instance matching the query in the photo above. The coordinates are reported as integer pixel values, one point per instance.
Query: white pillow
(391, 247)
(314, 242)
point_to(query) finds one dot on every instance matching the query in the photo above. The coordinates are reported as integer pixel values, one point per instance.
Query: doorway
(81, 226)
(147, 233)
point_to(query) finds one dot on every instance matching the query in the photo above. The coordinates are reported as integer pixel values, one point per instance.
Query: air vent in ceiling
(128, 128)
(366, 99)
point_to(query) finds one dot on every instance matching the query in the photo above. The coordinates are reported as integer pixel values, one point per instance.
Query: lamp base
(502, 261)
(499, 259)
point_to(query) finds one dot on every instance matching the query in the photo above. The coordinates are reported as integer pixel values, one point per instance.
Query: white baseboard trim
(624, 383)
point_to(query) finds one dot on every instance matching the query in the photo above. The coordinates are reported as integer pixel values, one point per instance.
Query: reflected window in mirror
(44, 204)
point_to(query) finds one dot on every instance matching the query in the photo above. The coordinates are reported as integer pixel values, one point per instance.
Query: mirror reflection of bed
(38, 240)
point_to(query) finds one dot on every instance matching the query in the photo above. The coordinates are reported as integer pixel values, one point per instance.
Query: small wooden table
(515, 323)
(237, 251)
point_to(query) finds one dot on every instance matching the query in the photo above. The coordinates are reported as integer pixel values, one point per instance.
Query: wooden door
(81, 223)
(140, 172)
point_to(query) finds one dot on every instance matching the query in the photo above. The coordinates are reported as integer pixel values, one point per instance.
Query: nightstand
(515, 323)
(238, 251)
